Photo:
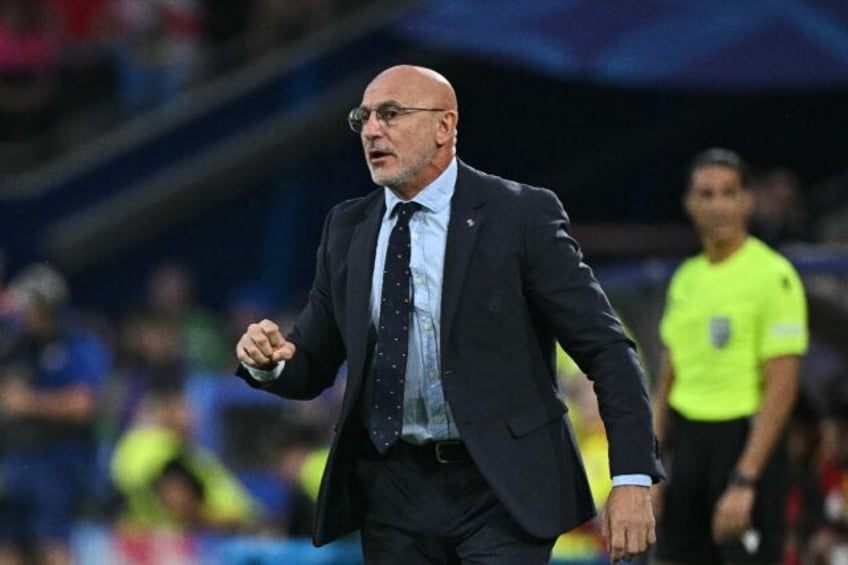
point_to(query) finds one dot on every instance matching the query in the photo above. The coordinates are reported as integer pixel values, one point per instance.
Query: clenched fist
(262, 346)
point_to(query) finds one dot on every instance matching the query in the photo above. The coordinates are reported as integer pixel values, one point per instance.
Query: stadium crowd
(72, 68)
(101, 421)
(137, 424)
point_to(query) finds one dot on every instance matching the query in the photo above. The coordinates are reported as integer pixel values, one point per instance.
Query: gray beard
(392, 183)
(405, 176)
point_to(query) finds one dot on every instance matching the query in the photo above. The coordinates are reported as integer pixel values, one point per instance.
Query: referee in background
(734, 330)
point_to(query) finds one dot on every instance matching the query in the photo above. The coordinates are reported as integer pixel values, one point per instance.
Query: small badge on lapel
(719, 331)
(470, 222)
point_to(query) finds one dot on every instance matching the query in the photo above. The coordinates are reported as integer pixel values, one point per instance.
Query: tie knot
(405, 210)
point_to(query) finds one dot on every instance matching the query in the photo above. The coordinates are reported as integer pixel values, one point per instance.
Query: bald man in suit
(477, 278)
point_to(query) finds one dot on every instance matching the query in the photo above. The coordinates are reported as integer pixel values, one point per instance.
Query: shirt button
(426, 327)
(415, 237)
(438, 418)
(419, 280)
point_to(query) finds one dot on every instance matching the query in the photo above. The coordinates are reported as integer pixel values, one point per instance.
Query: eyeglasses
(386, 114)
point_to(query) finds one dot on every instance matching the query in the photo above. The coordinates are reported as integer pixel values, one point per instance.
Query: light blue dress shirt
(426, 414)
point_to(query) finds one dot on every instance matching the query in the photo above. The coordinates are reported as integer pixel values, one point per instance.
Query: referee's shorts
(701, 456)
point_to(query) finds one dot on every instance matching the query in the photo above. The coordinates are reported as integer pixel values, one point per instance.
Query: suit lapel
(360, 261)
(465, 223)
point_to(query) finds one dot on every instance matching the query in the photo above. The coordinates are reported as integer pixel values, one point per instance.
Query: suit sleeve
(563, 288)
(320, 348)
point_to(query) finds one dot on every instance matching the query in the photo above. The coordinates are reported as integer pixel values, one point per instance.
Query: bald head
(413, 140)
(419, 86)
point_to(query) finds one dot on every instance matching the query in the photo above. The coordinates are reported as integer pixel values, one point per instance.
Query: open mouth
(377, 156)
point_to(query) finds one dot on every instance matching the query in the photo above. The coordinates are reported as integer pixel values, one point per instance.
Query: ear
(447, 127)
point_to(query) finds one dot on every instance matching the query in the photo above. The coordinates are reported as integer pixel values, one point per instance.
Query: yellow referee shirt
(723, 321)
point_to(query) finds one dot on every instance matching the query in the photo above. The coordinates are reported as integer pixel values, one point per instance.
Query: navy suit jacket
(514, 283)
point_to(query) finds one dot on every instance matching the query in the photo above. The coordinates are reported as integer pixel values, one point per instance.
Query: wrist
(741, 480)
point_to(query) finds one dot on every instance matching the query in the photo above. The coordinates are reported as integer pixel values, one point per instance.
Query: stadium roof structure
(750, 45)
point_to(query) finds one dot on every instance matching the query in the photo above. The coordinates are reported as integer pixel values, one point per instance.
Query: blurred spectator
(804, 509)
(170, 295)
(171, 487)
(830, 543)
(779, 217)
(151, 361)
(28, 70)
(297, 462)
(160, 50)
(49, 383)
(86, 58)
(83, 22)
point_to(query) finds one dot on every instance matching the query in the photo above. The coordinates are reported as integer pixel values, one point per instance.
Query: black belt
(444, 452)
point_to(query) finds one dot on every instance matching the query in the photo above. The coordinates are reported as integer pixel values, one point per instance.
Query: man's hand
(262, 346)
(732, 514)
(627, 522)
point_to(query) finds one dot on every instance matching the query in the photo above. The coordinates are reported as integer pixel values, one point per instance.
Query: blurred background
(165, 167)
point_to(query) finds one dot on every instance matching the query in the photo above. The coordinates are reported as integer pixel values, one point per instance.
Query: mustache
(373, 146)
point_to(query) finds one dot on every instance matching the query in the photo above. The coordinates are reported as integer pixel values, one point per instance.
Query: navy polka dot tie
(392, 334)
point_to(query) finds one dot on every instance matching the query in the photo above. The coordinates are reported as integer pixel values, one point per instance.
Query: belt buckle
(438, 448)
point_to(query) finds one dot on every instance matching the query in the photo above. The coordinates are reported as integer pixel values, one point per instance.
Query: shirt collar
(435, 197)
